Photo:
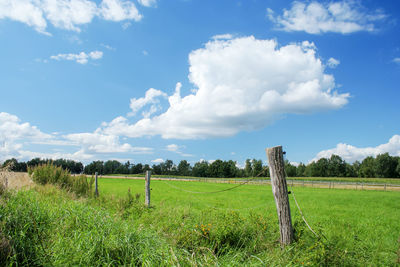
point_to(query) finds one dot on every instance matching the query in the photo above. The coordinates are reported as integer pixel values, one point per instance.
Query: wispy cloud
(333, 63)
(177, 149)
(81, 58)
(148, 3)
(316, 18)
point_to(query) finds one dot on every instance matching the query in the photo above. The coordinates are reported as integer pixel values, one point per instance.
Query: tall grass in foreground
(48, 230)
(48, 173)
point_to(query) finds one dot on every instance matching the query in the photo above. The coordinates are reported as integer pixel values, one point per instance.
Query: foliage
(50, 174)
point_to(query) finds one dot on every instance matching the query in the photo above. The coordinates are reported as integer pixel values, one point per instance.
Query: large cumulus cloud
(241, 84)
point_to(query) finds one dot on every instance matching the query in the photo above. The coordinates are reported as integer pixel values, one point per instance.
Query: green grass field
(363, 222)
(395, 181)
(50, 227)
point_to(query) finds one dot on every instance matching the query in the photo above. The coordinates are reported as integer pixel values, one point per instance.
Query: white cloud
(118, 10)
(151, 97)
(12, 129)
(243, 84)
(15, 135)
(315, 18)
(108, 47)
(225, 36)
(178, 150)
(396, 60)
(81, 58)
(100, 143)
(66, 14)
(24, 11)
(148, 3)
(172, 147)
(157, 161)
(333, 63)
(351, 153)
(79, 155)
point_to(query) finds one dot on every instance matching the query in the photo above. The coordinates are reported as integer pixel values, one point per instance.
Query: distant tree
(95, 166)
(398, 167)
(317, 169)
(184, 168)
(110, 166)
(336, 167)
(257, 167)
(167, 167)
(321, 169)
(290, 169)
(216, 169)
(15, 166)
(156, 169)
(350, 170)
(356, 168)
(34, 162)
(300, 170)
(248, 169)
(229, 169)
(200, 169)
(367, 167)
(136, 169)
(385, 166)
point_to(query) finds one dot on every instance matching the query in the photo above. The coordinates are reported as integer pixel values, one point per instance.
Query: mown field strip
(324, 183)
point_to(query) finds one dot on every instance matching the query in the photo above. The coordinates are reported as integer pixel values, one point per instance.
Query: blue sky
(152, 80)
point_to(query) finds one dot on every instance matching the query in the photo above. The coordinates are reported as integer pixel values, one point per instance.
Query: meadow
(49, 226)
(393, 181)
(362, 222)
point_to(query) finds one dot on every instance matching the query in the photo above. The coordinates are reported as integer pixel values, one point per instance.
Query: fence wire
(219, 191)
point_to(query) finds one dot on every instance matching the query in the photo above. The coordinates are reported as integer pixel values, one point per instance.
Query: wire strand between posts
(298, 207)
(219, 191)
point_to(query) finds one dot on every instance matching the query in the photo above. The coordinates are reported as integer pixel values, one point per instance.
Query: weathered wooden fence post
(279, 189)
(147, 189)
(96, 185)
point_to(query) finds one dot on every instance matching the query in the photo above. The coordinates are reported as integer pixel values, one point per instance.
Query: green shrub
(130, 206)
(50, 174)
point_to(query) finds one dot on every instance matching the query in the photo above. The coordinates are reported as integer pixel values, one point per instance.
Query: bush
(50, 174)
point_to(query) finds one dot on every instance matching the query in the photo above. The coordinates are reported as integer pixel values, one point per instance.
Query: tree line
(73, 166)
(381, 166)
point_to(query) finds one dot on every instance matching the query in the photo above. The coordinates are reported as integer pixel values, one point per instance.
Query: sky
(150, 80)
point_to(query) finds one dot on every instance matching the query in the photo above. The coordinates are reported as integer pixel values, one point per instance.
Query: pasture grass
(362, 224)
(395, 181)
(51, 227)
